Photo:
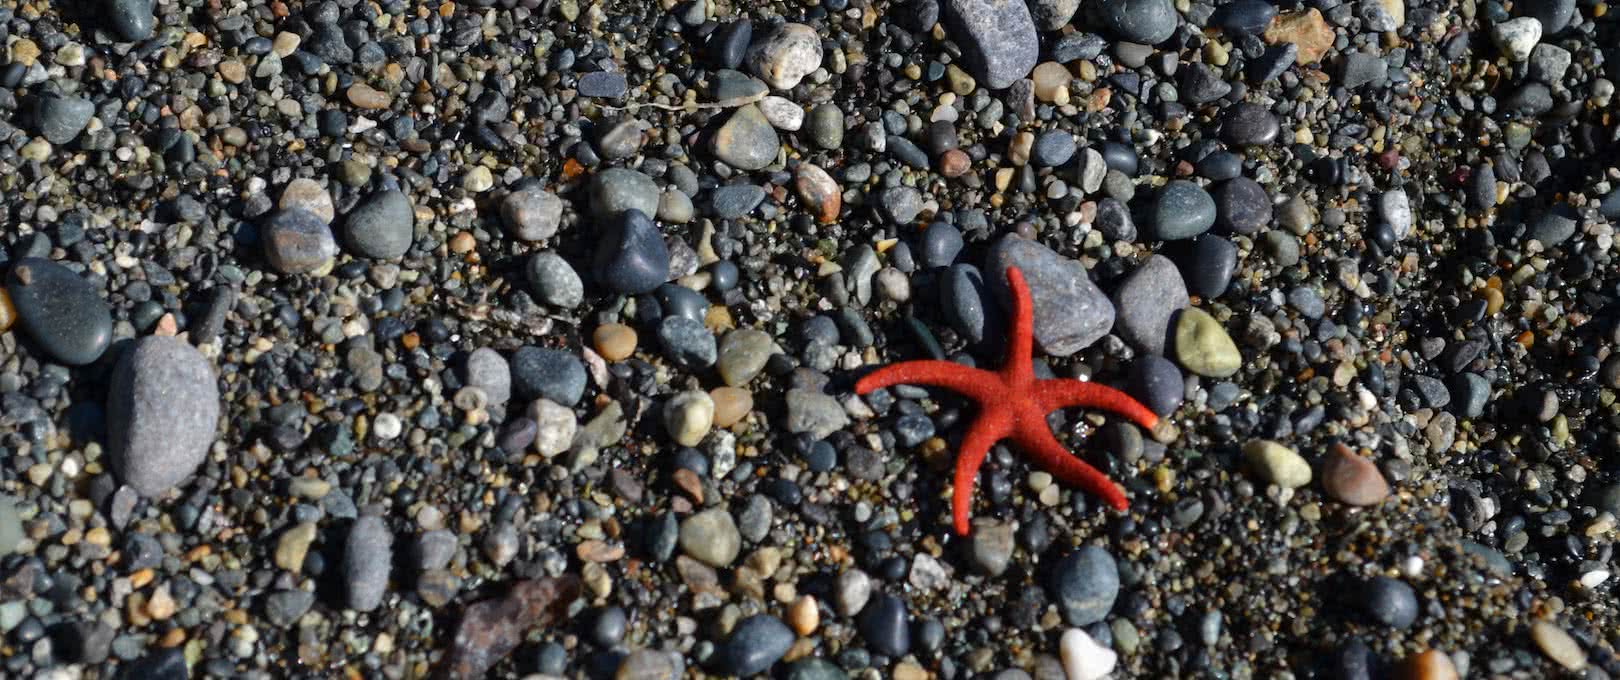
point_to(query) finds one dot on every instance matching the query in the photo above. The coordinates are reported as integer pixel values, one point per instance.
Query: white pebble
(1083, 658)
(1517, 37)
(386, 426)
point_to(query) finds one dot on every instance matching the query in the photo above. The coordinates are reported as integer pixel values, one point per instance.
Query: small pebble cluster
(519, 338)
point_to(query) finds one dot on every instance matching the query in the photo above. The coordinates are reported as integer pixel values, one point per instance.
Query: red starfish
(1013, 405)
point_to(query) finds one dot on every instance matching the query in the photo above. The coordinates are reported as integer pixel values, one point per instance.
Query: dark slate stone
(60, 310)
(729, 44)
(632, 257)
(1157, 383)
(736, 200)
(132, 20)
(1247, 123)
(543, 372)
(756, 643)
(61, 119)
(886, 626)
(1181, 210)
(1243, 16)
(1148, 22)
(1390, 602)
(1242, 205)
(939, 245)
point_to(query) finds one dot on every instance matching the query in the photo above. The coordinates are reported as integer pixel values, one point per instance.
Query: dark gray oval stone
(297, 241)
(382, 227)
(59, 310)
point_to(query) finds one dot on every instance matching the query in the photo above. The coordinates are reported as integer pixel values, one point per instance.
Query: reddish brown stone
(819, 192)
(954, 163)
(1352, 479)
(491, 629)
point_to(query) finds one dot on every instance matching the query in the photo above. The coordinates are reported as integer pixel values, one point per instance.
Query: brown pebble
(954, 163)
(1352, 479)
(462, 243)
(687, 481)
(8, 313)
(1429, 665)
(819, 192)
(731, 404)
(368, 97)
(614, 341)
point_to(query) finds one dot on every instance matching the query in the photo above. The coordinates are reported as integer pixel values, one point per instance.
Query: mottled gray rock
(616, 190)
(1145, 302)
(998, 40)
(367, 555)
(1070, 311)
(162, 414)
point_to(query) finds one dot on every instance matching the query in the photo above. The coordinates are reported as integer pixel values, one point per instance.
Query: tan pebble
(1352, 479)
(1558, 645)
(731, 405)
(462, 243)
(368, 97)
(161, 606)
(1051, 82)
(909, 671)
(803, 615)
(599, 551)
(614, 341)
(1429, 665)
(1307, 30)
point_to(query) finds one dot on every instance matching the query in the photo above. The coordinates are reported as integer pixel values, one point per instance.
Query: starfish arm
(1056, 393)
(992, 424)
(966, 380)
(1020, 346)
(1037, 441)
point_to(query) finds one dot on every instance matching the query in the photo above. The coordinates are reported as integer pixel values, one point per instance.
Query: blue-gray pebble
(1148, 22)
(1181, 210)
(687, 343)
(998, 39)
(1157, 383)
(940, 244)
(1084, 585)
(756, 643)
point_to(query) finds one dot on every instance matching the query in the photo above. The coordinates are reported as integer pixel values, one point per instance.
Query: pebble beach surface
(518, 338)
